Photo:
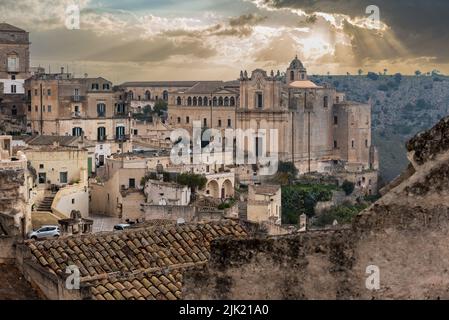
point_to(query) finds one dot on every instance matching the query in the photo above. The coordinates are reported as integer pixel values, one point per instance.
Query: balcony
(78, 98)
(122, 138)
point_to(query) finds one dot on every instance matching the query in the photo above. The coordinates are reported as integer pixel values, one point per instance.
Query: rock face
(405, 235)
(12, 201)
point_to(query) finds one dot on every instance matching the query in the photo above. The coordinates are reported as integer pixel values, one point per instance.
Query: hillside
(402, 107)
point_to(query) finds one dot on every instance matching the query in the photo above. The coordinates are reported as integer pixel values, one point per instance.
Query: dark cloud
(420, 25)
(246, 20)
(241, 26)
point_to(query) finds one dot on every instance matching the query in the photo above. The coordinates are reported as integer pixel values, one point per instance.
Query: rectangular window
(229, 123)
(13, 64)
(63, 177)
(29, 108)
(204, 122)
(105, 86)
(101, 134)
(335, 144)
(326, 102)
(48, 92)
(42, 178)
(335, 120)
(120, 132)
(132, 183)
(35, 92)
(219, 123)
(259, 147)
(49, 108)
(366, 143)
(13, 77)
(13, 88)
(259, 100)
(187, 120)
(179, 119)
(35, 108)
(352, 144)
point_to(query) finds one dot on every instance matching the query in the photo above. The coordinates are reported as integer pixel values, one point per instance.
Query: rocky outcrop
(404, 236)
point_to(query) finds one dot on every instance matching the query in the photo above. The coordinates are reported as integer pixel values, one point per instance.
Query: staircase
(45, 204)
(243, 211)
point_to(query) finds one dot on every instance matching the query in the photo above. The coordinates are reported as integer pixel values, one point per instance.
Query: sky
(137, 40)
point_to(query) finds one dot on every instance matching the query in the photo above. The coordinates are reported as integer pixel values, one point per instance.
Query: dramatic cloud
(215, 39)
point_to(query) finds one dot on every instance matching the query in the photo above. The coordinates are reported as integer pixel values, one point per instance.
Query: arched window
(189, 101)
(205, 101)
(220, 101)
(226, 101)
(165, 95)
(200, 101)
(195, 101)
(178, 101)
(101, 109)
(147, 95)
(232, 101)
(130, 95)
(292, 75)
(214, 101)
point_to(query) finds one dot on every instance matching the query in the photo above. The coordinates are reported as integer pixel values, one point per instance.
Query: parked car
(45, 232)
(122, 226)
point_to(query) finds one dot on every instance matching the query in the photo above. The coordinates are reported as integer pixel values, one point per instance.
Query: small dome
(296, 64)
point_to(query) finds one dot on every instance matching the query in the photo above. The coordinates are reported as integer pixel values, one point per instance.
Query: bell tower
(296, 71)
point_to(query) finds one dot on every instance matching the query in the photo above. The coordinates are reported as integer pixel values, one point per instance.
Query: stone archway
(213, 189)
(227, 189)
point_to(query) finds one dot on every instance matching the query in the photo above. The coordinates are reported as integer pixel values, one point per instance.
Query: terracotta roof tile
(143, 263)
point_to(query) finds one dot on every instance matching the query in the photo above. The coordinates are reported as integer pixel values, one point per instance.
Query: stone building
(264, 204)
(14, 69)
(60, 104)
(318, 130)
(294, 119)
(212, 103)
(167, 193)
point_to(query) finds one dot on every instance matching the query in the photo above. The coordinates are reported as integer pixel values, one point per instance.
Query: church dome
(296, 64)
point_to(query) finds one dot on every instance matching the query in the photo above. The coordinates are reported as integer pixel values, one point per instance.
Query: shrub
(344, 214)
(348, 187)
(302, 198)
(373, 76)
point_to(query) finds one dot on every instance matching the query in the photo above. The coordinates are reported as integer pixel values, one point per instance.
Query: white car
(45, 232)
(121, 227)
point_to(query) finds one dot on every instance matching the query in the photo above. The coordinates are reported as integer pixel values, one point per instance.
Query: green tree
(160, 107)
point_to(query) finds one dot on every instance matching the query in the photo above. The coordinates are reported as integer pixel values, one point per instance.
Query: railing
(123, 137)
(78, 98)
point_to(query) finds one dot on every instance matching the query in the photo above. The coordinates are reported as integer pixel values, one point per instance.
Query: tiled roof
(50, 140)
(157, 286)
(304, 84)
(182, 84)
(138, 255)
(9, 28)
(205, 87)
